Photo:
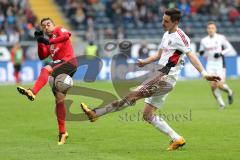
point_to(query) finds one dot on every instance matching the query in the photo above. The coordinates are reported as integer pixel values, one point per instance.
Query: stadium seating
(137, 29)
(17, 21)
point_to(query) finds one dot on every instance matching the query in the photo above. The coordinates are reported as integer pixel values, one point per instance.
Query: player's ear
(176, 22)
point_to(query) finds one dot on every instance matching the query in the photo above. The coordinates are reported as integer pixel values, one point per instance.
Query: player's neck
(211, 36)
(172, 30)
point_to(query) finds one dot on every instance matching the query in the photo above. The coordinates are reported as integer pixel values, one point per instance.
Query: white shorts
(218, 71)
(156, 101)
(164, 88)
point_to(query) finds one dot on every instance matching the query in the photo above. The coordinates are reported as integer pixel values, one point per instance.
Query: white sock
(160, 124)
(109, 108)
(102, 111)
(226, 87)
(218, 96)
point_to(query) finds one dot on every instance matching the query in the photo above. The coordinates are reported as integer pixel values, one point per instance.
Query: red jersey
(60, 47)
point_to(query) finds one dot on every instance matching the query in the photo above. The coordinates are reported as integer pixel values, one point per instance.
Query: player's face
(47, 27)
(167, 23)
(211, 29)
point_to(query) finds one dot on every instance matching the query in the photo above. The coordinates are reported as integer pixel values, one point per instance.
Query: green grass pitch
(28, 130)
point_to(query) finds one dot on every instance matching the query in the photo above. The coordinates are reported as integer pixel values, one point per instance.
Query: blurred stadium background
(102, 21)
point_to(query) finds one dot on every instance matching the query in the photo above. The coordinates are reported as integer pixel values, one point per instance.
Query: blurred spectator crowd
(139, 18)
(115, 19)
(17, 21)
(118, 19)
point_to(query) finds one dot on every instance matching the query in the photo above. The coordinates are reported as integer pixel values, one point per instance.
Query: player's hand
(38, 33)
(217, 55)
(212, 78)
(43, 40)
(140, 63)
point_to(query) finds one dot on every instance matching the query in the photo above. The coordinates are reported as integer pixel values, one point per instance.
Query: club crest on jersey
(53, 50)
(51, 47)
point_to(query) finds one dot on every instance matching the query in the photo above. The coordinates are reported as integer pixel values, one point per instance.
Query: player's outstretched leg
(143, 91)
(92, 114)
(129, 100)
(89, 112)
(27, 92)
(40, 82)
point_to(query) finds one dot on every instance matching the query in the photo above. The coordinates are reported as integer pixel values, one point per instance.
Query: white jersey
(212, 45)
(174, 47)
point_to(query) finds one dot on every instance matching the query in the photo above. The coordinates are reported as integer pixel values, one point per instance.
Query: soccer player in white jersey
(213, 47)
(174, 46)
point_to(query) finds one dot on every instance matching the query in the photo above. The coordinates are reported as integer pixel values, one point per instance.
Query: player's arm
(201, 48)
(198, 65)
(43, 51)
(150, 59)
(63, 35)
(227, 48)
(201, 53)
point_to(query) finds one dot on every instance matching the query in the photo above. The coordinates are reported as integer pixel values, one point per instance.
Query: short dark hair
(211, 22)
(174, 13)
(45, 19)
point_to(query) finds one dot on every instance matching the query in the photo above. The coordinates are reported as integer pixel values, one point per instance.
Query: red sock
(17, 77)
(61, 115)
(41, 81)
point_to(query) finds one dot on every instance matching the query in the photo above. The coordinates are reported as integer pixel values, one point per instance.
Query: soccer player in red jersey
(58, 47)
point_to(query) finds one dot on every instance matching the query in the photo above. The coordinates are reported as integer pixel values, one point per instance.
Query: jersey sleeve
(63, 35)
(201, 48)
(63, 31)
(183, 45)
(226, 45)
(160, 46)
(43, 51)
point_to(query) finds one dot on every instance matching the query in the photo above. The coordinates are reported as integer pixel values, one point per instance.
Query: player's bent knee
(213, 85)
(213, 88)
(49, 69)
(59, 97)
(147, 117)
(220, 84)
(148, 113)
